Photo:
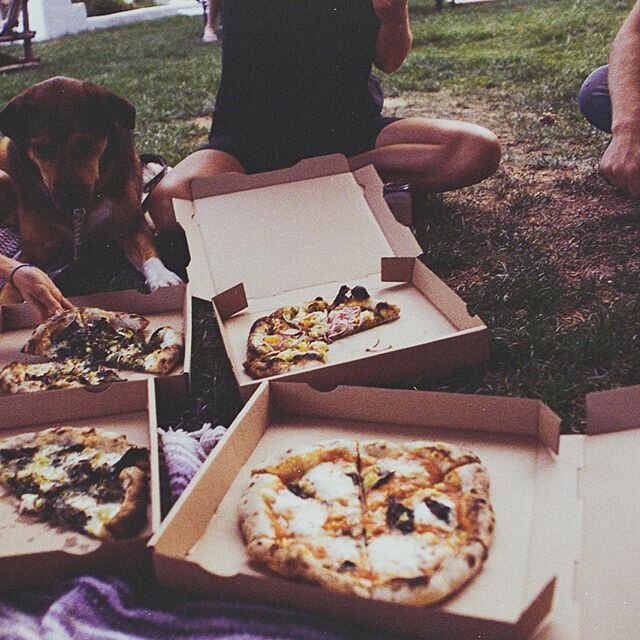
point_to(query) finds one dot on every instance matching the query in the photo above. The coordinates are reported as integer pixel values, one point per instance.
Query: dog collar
(79, 216)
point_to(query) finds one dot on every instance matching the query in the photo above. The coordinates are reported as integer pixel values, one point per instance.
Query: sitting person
(296, 84)
(35, 286)
(610, 100)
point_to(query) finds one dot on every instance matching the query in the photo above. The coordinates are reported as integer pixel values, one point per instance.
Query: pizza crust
(428, 587)
(423, 523)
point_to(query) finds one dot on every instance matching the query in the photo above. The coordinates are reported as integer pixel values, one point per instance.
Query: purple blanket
(107, 608)
(92, 608)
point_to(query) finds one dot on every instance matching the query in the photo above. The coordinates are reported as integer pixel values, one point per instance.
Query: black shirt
(295, 72)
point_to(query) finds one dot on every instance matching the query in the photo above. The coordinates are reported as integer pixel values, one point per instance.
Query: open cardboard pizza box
(199, 546)
(565, 561)
(168, 306)
(261, 241)
(593, 524)
(32, 552)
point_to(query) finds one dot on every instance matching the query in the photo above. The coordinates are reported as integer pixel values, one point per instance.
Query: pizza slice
(160, 355)
(353, 310)
(23, 377)
(85, 332)
(301, 516)
(296, 336)
(427, 518)
(290, 337)
(81, 479)
(112, 338)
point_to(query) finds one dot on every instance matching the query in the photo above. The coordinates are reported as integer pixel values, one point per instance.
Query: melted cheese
(331, 482)
(423, 515)
(301, 517)
(402, 467)
(403, 556)
(341, 549)
(97, 513)
(29, 502)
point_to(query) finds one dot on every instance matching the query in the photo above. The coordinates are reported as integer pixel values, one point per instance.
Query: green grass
(514, 58)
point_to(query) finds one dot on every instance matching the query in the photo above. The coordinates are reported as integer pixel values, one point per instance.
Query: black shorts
(258, 150)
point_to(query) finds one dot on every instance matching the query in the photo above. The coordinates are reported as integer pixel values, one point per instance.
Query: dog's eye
(83, 145)
(43, 149)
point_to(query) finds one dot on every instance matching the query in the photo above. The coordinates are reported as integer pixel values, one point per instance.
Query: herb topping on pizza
(82, 479)
(403, 522)
(83, 342)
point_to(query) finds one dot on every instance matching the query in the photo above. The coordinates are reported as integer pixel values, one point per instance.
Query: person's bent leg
(436, 155)
(594, 101)
(204, 163)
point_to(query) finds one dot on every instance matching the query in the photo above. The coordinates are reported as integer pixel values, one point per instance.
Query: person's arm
(394, 38)
(620, 164)
(35, 286)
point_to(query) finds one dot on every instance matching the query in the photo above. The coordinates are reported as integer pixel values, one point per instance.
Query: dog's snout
(68, 197)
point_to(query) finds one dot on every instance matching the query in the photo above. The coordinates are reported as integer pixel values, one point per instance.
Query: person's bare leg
(177, 183)
(436, 155)
(210, 33)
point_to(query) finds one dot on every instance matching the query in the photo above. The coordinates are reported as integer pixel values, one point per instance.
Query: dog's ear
(108, 107)
(15, 118)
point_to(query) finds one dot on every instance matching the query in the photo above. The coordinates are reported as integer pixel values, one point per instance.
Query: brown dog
(69, 173)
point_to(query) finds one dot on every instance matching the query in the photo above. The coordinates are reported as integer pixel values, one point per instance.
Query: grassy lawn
(544, 251)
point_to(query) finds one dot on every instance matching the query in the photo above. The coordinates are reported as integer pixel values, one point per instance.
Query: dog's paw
(157, 275)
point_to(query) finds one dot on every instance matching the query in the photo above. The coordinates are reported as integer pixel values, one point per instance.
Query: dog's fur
(69, 145)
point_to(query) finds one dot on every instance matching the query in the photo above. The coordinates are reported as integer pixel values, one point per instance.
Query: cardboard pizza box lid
(598, 560)
(199, 548)
(33, 552)
(609, 573)
(291, 229)
(261, 241)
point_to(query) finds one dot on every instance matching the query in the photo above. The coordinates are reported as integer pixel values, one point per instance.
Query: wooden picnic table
(16, 16)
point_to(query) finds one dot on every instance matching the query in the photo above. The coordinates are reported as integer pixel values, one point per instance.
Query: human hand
(620, 163)
(390, 11)
(37, 288)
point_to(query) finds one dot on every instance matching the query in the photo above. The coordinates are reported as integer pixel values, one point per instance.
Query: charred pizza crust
(297, 336)
(402, 522)
(78, 478)
(23, 377)
(85, 332)
(301, 517)
(83, 341)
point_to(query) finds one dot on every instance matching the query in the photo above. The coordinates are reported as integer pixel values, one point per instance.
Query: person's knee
(490, 151)
(161, 202)
(594, 101)
(479, 150)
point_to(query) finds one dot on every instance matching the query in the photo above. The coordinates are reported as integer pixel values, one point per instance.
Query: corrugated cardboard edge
(608, 574)
(399, 237)
(175, 542)
(200, 280)
(536, 611)
(614, 410)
